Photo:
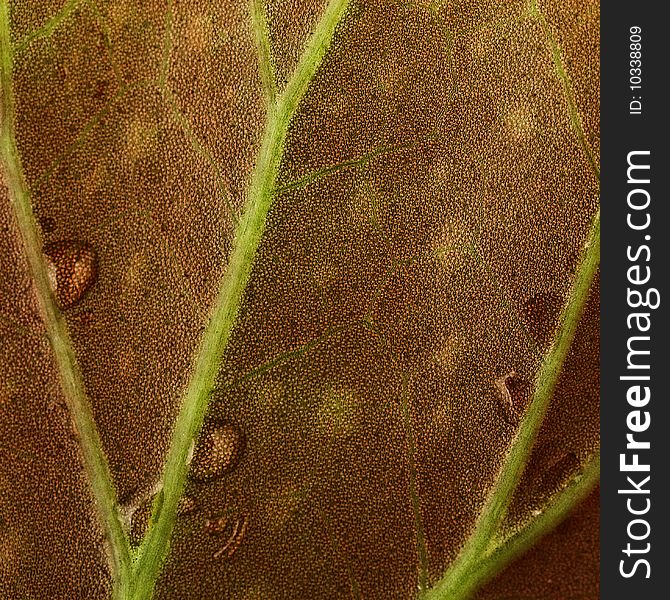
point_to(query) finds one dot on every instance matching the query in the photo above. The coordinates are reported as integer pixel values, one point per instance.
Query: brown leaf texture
(432, 203)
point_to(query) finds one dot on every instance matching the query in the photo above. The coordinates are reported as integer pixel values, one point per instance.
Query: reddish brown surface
(442, 261)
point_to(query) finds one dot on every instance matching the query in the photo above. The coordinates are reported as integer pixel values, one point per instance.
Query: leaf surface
(436, 190)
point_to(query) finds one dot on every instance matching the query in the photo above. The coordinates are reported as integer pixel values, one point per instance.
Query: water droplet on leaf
(72, 268)
(218, 451)
(186, 505)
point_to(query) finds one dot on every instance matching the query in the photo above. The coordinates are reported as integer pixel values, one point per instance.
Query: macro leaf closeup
(299, 299)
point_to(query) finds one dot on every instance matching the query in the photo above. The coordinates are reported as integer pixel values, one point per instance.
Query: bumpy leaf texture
(431, 206)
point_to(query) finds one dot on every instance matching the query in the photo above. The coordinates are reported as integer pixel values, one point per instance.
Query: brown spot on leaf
(73, 269)
(541, 311)
(515, 393)
(233, 526)
(47, 224)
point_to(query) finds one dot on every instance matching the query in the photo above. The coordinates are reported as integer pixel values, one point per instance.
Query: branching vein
(217, 333)
(262, 35)
(453, 584)
(72, 384)
(560, 506)
(167, 46)
(49, 26)
(573, 112)
(330, 169)
(184, 123)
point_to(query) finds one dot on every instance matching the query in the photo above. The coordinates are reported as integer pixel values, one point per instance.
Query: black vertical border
(621, 133)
